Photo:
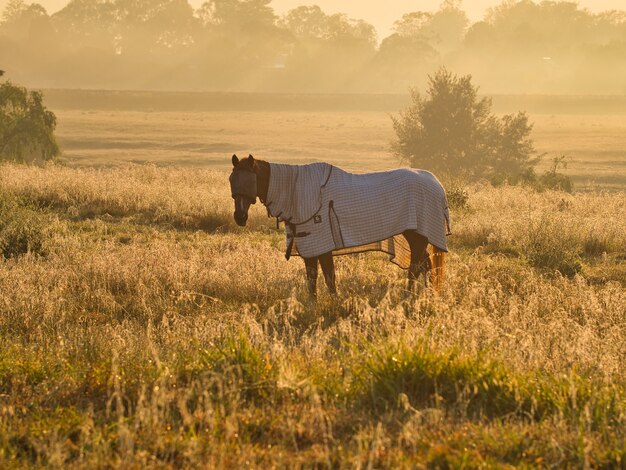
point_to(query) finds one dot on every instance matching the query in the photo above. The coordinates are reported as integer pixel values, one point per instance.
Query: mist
(234, 45)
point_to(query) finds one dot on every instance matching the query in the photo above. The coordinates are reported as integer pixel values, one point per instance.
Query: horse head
(243, 187)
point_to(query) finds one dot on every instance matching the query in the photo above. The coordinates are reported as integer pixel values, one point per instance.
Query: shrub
(527, 176)
(452, 131)
(26, 126)
(552, 179)
(458, 197)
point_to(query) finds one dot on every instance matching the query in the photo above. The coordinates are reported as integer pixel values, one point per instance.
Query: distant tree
(19, 20)
(328, 52)
(347, 31)
(26, 126)
(307, 22)
(312, 23)
(414, 24)
(544, 47)
(401, 61)
(124, 27)
(419, 43)
(155, 27)
(448, 25)
(239, 46)
(480, 35)
(443, 29)
(89, 24)
(451, 130)
(236, 14)
(13, 11)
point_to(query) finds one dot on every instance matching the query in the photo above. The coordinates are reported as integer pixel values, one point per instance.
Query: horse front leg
(311, 275)
(328, 268)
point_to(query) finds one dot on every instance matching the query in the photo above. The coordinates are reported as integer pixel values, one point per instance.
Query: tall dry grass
(136, 339)
(183, 198)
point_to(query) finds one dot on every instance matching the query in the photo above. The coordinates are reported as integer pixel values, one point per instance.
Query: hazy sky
(380, 13)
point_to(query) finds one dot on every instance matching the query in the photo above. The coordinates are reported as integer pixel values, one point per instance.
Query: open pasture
(140, 327)
(352, 132)
(144, 328)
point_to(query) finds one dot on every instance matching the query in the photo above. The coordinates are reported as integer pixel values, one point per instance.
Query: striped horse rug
(328, 209)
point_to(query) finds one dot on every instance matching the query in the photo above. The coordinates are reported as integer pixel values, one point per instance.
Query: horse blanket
(328, 209)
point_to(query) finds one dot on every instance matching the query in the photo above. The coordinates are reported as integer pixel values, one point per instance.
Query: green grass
(482, 387)
(417, 405)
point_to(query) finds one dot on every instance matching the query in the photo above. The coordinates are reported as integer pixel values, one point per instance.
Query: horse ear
(250, 159)
(235, 160)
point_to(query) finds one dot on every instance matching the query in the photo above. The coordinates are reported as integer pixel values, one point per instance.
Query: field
(141, 327)
(354, 132)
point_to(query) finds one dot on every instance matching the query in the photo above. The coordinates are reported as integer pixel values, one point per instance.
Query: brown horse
(250, 178)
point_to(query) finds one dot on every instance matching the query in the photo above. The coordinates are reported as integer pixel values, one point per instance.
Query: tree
(401, 61)
(236, 14)
(13, 11)
(88, 24)
(26, 126)
(327, 53)
(311, 23)
(308, 22)
(155, 26)
(21, 21)
(414, 24)
(443, 29)
(448, 25)
(453, 131)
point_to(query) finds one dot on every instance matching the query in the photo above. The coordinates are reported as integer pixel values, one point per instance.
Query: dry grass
(148, 331)
(356, 141)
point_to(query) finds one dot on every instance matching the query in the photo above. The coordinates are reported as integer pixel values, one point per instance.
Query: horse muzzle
(241, 219)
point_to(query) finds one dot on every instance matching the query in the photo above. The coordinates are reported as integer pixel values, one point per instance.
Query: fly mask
(243, 187)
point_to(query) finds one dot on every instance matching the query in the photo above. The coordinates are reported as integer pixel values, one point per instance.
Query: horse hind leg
(420, 261)
(328, 268)
(311, 275)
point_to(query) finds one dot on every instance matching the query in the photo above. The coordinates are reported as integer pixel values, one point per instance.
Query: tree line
(243, 45)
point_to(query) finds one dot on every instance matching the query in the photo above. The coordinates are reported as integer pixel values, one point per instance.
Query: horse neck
(263, 179)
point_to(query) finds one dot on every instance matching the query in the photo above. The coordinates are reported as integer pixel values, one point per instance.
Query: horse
(329, 212)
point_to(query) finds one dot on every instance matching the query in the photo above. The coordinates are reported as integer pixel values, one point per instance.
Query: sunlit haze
(224, 234)
(323, 46)
(381, 14)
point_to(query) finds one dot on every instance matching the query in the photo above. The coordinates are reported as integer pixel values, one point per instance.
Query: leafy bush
(452, 131)
(527, 176)
(458, 197)
(552, 179)
(26, 126)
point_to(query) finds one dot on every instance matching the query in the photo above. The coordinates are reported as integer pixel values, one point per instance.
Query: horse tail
(437, 262)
